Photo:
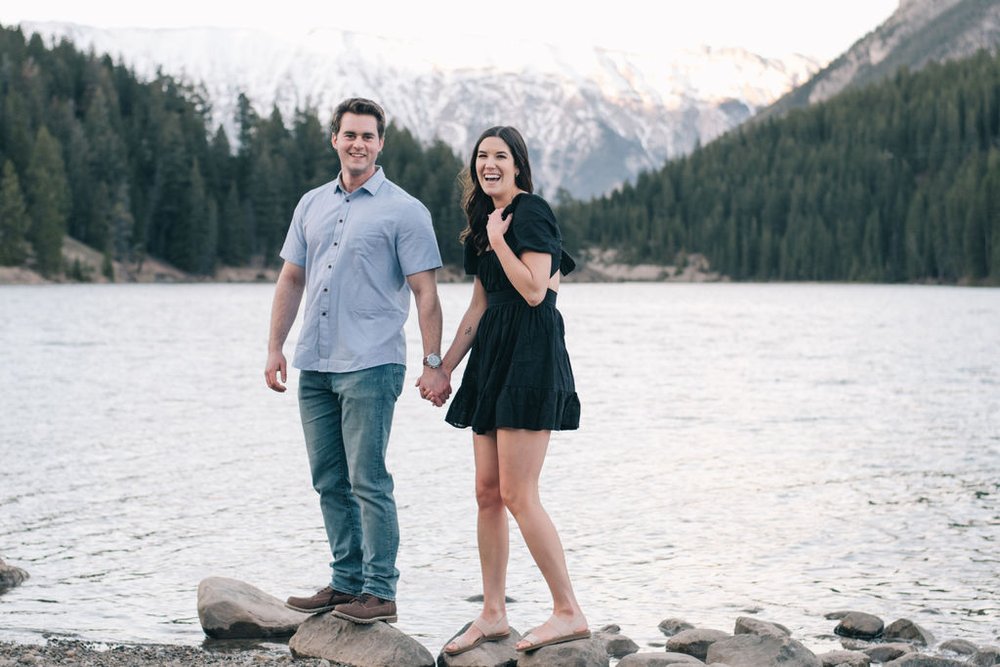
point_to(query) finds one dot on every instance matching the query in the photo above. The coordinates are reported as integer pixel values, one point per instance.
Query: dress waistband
(506, 296)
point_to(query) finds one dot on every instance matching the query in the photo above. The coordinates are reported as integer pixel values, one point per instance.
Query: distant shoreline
(594, 267)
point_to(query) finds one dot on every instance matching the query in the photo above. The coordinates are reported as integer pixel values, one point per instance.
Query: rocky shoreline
(243, 624)
(83, 264)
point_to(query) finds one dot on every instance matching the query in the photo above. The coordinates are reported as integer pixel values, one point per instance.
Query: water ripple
(783, 449)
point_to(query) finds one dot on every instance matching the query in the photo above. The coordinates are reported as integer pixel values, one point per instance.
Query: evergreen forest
(135, 169)
(896, 182)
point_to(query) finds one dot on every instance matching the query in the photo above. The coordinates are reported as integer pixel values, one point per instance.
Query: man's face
(358, 144)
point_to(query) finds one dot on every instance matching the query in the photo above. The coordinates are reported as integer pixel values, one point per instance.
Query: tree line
(135, 170)
(899, 181)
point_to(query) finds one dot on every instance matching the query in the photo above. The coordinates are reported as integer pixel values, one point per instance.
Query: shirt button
(329, 266)
(326, 289)
(324, 314)
(335, 243)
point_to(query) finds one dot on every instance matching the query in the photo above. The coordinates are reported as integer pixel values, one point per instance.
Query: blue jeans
(346, 418)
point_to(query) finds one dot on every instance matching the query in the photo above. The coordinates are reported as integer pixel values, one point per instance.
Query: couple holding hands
(356, 247)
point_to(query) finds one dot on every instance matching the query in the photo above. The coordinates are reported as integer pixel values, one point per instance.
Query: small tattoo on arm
(468, 332)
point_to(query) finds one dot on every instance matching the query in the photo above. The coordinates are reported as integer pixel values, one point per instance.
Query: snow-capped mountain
(593, 118)
(918, 32)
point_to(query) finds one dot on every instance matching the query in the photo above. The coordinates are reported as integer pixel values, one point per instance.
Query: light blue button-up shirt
(357, 249)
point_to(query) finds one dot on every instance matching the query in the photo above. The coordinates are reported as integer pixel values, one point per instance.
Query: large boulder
(986, 656)
(849, 658)
(500, 653)
(232, 609)
(581, 653)
(960, 646)
(671, 626)
(357, 645)
(749, 650)
(695, 642)
(616, 645)
(921, 660)
(907, 630)
(659, 660)
(745, 625)
(887, 652)
(10, 576)
(859, 625)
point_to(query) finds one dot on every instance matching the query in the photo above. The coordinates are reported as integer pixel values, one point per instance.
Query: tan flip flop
(565, 634)
(488, 632)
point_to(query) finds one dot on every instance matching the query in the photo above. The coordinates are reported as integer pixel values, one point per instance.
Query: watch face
(433, 360)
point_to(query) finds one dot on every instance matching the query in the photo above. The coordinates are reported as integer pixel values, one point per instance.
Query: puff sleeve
(535, 228)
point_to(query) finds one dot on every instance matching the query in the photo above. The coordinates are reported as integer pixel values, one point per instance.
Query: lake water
(786, 450)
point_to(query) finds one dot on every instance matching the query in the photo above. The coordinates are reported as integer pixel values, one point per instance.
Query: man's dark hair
(361, 107)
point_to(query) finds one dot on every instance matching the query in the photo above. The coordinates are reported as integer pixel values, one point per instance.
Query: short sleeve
(535, 228)
(416, 243)
(471, 257)
(294, 248)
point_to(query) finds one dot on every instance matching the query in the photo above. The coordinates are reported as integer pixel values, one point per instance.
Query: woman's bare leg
(520, 455)
(492, 535)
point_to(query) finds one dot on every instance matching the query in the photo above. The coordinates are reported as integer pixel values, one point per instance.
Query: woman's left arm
(529, 273)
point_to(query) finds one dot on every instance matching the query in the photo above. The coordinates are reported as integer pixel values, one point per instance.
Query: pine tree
(14, 220)
(48, 202)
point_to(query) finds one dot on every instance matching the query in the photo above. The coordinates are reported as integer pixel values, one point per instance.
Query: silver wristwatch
(432, 360)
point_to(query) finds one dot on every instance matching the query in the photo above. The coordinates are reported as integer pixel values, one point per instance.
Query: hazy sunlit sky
(821, 29)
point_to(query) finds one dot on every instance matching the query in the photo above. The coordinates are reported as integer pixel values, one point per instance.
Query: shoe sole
(364, 621)
(476, 644)
(555, 640)
(314, 610)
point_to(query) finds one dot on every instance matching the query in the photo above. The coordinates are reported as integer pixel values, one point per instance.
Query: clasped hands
(435, 386)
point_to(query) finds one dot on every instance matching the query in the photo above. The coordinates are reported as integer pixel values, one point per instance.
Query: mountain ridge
(917, 33)
(593, 118)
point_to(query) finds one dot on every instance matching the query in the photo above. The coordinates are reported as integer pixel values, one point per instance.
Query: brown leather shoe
(367, 609)
(323, 600)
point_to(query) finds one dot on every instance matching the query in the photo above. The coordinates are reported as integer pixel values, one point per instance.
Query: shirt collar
(372, 185)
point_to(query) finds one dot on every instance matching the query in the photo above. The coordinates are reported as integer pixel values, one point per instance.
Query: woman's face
(495, 169)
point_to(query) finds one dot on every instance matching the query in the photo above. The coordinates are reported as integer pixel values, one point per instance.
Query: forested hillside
(899, 181)
(134, 170)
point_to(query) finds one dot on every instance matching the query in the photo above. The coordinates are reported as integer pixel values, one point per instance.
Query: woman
(518, 384)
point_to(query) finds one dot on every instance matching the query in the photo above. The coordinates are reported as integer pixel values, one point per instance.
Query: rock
(658, 660)
(488, 654)
(921, 660)
(357, 645)
(232, 609)
(748, 650)
(835, 615)
(907, 630)
(616, 645)
(860, 625)
(752, 626)
(582, 653)
(887, 652)
(959, 646)
(695, 642)
(671, 626)
(986, 656)
(849, 658)
(10, 576)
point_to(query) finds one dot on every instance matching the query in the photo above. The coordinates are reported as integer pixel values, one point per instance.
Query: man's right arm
(287, 297)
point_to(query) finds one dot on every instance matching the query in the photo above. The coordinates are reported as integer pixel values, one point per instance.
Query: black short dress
(518, 374)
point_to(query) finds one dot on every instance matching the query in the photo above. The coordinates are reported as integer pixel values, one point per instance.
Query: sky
(819, 29)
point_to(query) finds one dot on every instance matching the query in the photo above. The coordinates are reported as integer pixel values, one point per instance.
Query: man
(357, 247)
